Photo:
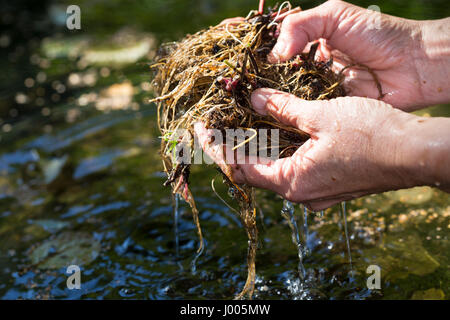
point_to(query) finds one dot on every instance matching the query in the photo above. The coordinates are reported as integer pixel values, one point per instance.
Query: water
(305, 230)
(81, 181)
(196, 257)
(288, 212)
(347, 241)
(176, 218)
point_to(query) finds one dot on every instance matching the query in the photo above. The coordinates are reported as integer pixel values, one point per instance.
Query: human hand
(410, 58)
(358, 146)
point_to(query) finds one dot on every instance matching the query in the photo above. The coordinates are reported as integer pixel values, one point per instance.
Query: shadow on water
(81, 179)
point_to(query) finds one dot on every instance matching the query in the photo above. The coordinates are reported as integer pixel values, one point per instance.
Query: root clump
(210, 76)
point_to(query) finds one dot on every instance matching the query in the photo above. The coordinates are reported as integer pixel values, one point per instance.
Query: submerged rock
(67, 248)
(50, 225)
(400, 256)
(430, 294)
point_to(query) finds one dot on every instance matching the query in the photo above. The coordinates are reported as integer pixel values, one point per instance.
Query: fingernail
(275, 55)
(259, 101)
(273, 58)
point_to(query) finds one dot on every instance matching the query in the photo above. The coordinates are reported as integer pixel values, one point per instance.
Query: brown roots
(209, 77)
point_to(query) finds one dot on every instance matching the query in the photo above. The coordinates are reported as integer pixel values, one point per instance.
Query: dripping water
(232, 192)
(288, 213)
(176, 220)
(176, 215)
(305, 231)
(194, 261)
(344, 215)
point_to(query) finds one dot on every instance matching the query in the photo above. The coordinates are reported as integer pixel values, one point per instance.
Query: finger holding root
(258, 172)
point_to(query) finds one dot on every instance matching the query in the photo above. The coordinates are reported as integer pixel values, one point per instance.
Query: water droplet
(232, 192)
(176, 216)
(344, 215)
(288, 212)
(127, 293)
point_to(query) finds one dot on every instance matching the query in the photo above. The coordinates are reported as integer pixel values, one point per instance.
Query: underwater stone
(430, 294)
(67, 248)
(401, 255)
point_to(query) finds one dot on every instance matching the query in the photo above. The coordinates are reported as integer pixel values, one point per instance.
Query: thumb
(297, 30)
(288, 109)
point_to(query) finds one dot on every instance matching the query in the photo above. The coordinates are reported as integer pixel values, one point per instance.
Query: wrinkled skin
(405, 54)
(362, 146)
(358, 145)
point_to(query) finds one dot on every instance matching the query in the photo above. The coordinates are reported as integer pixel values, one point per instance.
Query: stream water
(81, 179)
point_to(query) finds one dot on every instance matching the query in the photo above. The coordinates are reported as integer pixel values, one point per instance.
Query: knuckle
(289, 22)
(333, 3)
(332, 7)
(284, 103)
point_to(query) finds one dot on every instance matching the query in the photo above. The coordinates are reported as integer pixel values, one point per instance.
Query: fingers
(232, 21)
(322, 205)
(269, 176)
(288, 109)
(280, 17)
(283, 176)
(214, 149)
(299, 29)
(262, 173)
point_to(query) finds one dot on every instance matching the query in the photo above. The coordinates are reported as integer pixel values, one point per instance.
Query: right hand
(395, 49)
(358, 146)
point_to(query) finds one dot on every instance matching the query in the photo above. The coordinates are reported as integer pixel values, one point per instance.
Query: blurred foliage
(171, 19)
